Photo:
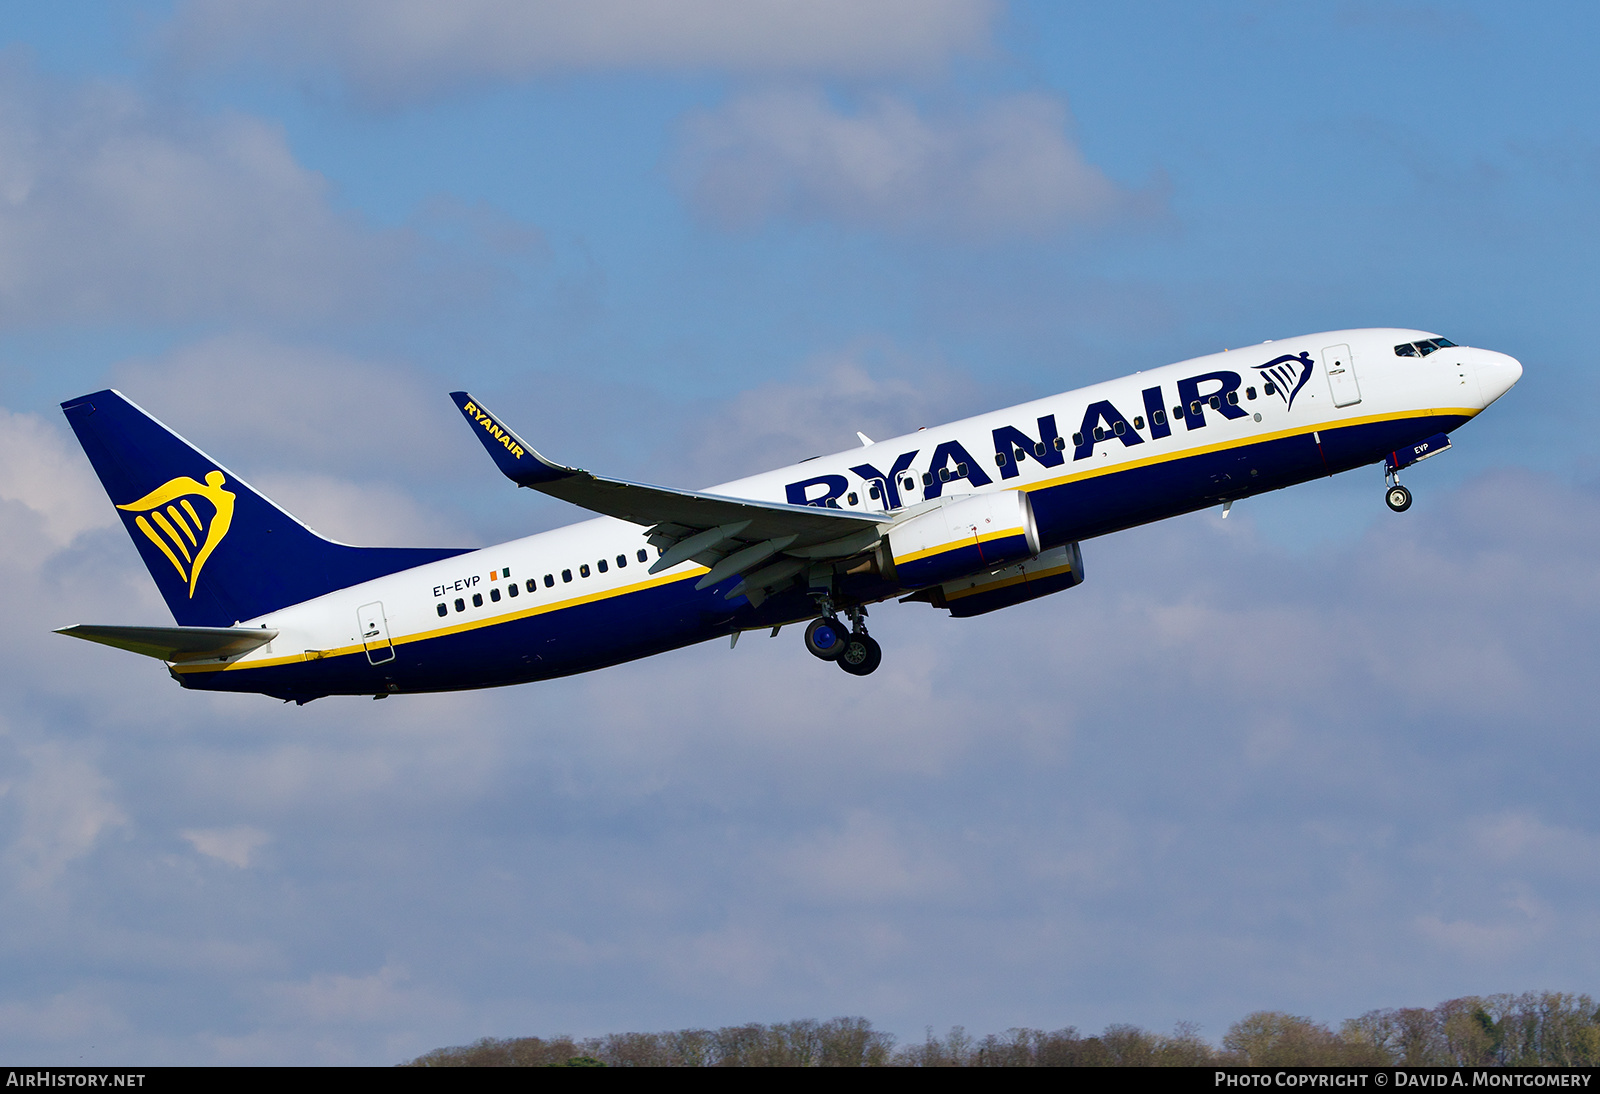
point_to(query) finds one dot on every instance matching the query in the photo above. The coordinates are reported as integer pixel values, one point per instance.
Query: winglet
(515, 458)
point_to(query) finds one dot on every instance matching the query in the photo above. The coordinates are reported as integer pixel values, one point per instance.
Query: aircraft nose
(1497, 372)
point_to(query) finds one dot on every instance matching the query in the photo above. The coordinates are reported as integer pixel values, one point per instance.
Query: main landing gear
(852, 650)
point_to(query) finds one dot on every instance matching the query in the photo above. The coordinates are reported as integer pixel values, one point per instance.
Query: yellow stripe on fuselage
(457, 628)
(1004, 533)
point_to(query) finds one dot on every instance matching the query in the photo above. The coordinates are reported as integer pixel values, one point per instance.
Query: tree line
(1534, 1029)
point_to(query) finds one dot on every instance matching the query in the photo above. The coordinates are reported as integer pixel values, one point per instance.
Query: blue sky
(1319, 758)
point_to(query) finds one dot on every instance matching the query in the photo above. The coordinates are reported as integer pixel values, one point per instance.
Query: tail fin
(219, 551)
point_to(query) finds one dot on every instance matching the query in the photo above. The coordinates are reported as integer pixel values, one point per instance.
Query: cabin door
(1341, 376)
(375, 633)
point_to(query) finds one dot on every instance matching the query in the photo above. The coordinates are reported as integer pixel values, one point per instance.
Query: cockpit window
(1422, 348)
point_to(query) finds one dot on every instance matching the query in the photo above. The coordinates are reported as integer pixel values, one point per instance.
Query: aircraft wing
(730, 535)
(176, 644)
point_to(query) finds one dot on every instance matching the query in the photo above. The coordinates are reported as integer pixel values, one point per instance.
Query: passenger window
(1038, 449)
(550, 581)
(1177, 412)
(1099, 433)
(1249, 393)
(851, 497)
(1269, 388)
(643, 556)
(961, 470)
(1061, 445)
(494, 595)
(1233, 398)
(1159, 417)
(944, 474)
(1077, 440)
(1216, 403)
(477, 600)
(566, 575)
(583, 570)
(909, 484)
(927, 479)
(512, 590)
(602, 565)
(999, 459)
(1194, 407)
(874, 493)
(461, 605)
(622, 560)
(533, 585)
(1119, 428)
(442, 608)
(1138, 421)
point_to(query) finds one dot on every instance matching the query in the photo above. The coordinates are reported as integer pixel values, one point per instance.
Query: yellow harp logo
(169, 519)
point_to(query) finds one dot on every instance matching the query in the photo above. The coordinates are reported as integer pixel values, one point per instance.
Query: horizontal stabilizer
(176, 644)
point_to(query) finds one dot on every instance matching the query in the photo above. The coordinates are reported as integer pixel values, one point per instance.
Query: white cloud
(235, 846)
(1010, 168)
(65, 806)
(301, 406)
(406, 49)
(340, 998)
(866, 861)
(870, 386)
(112, 209)
(42, 470)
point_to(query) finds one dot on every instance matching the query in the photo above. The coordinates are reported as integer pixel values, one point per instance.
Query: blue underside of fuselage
(626, 627)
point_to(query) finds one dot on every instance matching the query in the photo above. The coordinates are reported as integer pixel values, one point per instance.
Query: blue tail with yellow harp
(219, 551)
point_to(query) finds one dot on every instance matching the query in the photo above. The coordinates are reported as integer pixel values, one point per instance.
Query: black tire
(1397, 498)
(862, 655)
(826, 638)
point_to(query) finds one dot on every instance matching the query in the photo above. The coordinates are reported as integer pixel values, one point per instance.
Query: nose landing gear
(1395, 496)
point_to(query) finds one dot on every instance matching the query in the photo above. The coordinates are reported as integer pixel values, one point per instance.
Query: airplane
(970, 517)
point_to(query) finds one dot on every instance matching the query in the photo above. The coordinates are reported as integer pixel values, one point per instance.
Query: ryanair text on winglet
(493, 429)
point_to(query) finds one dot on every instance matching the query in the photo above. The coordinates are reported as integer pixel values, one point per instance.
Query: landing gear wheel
(826, 638)
(1398, 498)
(862, 655)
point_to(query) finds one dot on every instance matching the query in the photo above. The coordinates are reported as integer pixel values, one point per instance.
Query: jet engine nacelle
(974, 534)
(1054, 570)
